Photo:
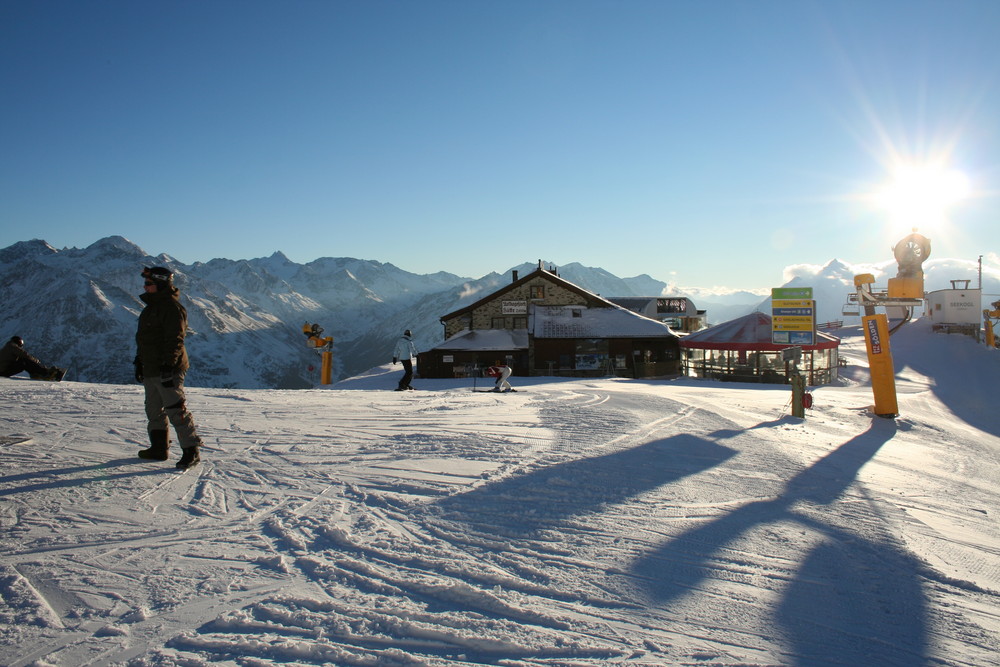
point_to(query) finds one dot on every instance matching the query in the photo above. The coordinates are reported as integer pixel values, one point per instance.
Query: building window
(591, 353)
(537, 291)
(520, 322)
(499, 323)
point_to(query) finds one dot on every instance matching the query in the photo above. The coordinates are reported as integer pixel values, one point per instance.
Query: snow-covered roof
(583, 322)
(634, 303)
(750, 332)
(540, 272)
(487, 339)
(561, 322)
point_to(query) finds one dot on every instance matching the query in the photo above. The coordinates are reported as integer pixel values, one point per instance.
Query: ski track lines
(195, 494)
(524, 556)
(291, 535)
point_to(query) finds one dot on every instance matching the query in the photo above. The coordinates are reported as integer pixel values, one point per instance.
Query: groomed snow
(575, 522)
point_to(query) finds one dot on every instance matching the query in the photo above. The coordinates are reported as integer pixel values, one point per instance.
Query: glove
(167, 376)
(395, 361)
(138, 369)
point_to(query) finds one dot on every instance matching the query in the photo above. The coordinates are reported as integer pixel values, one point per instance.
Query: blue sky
(708, 143)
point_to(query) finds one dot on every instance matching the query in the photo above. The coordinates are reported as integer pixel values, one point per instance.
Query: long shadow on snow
(971, 393)
(56, 479)
(547, 497)
(854, 601)
(544, 498)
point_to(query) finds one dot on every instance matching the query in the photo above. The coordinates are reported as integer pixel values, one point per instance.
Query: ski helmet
(158, 273)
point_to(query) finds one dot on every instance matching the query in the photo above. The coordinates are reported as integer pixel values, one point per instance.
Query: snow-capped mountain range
(78, 307)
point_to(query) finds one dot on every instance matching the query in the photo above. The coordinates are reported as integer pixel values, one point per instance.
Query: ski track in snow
(579, 522)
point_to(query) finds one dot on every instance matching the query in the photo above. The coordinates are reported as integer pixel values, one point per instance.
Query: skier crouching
(501, 372)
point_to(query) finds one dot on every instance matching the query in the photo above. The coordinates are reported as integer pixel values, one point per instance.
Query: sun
(921, 195)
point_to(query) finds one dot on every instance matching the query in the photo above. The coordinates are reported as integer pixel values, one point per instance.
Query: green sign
(791, 292)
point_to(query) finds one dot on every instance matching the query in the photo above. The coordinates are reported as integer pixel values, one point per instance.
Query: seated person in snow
(501, 372)
(15, 359)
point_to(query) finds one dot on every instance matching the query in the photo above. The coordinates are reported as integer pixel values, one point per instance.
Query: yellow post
(326, 372)
(876, 328)
(988, 317)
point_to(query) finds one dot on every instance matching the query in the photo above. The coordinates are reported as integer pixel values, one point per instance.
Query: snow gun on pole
(324, 346)
(905, 291)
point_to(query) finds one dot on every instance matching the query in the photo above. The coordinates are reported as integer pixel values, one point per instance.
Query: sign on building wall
(671, 306)
(514, 307)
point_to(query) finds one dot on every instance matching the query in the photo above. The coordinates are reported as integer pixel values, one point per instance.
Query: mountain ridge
(77, 307)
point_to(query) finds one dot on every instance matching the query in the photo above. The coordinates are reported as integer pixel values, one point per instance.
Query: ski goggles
(157, 274)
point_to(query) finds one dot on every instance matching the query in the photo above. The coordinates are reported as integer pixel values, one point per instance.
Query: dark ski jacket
(14, 359)
(160, 336)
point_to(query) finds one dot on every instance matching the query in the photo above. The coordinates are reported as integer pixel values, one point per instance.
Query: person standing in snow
(160, 365)
(15, 359)
(405, 352)
(501, 372)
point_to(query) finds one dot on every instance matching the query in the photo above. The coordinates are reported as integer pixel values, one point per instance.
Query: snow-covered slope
(575, 522)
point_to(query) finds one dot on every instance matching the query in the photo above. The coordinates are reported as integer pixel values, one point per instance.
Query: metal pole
(326, 372)
(798, 391)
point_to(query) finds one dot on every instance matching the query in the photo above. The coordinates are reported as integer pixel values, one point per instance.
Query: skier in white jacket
(405, 352)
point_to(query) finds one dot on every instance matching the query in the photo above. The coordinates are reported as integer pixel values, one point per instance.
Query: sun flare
(921, 195)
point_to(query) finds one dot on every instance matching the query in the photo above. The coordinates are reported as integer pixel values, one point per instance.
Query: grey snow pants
(167, 403)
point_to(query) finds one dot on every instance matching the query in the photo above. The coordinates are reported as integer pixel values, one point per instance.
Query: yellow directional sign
(792, 324)
(793, 310)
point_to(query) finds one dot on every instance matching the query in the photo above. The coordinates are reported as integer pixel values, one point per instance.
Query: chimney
(513, 276)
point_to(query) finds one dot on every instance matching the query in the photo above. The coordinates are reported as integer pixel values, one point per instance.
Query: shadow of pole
(544, 498)
(854, 600)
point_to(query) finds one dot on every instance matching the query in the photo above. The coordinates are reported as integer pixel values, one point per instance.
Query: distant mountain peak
(24, 249)
(119, 243)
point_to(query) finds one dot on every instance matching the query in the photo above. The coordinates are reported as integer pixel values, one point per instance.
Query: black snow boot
(160, 446)
(190, 458)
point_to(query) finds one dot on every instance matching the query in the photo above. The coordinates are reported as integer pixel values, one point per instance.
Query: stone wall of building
(514, 304)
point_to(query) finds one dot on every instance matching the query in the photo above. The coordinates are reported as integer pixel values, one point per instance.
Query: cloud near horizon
(806, 270)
